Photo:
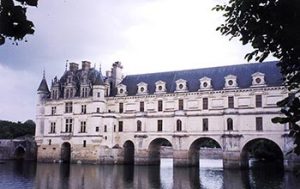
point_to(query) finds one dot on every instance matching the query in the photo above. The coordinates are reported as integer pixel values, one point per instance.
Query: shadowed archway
(199, 143)
(261, 151)
(128, 152)
(155, 150)
(66, 152)
(19, 153)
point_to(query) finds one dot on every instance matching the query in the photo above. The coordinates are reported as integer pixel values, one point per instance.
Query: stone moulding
(140, 136)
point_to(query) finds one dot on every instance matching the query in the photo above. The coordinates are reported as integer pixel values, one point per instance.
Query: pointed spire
(99, 80)
(100, 68)
(44, 77)
(43, 87)
(67, 65)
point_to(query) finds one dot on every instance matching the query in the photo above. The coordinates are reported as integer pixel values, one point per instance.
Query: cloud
(18, 93)
(145, 35)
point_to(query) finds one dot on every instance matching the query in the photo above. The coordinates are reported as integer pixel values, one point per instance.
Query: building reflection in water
(77, 176)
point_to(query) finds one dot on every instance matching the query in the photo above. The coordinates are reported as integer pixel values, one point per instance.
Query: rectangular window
(105, 128)
(84, 143)
(259, 124)
(142, 106)
(69, 107)
(53, 110)
(83, 127)
(69, 124)
(52, 127)
(258, 100)
(180, 104)
(50, 141)
(120, 126)
(98, 95)
(159, 125)
(205, 124)
(121, 107)
(230, 102)
(98, 110)
(160, 105)
(97, 129)
(83, 109)
(205, 103)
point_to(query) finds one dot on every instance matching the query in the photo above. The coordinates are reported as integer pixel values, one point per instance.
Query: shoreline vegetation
(13, 130)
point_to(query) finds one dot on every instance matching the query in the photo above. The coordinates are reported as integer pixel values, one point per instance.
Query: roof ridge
(213, 67)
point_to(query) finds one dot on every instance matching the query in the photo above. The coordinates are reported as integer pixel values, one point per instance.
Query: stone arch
(19, 152)
(66, 152)
(128, 147)
(154, 149)
(261, 149)
(193, 153)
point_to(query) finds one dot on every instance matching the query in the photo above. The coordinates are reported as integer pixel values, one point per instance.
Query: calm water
(211, 175)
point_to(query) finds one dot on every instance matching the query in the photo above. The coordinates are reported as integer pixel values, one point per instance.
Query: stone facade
(114, 119)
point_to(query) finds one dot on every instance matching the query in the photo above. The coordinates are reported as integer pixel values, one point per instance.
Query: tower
(99, 94)
(42, 94)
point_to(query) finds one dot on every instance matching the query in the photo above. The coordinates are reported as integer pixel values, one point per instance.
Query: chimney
(86, 65)
(108, 74)
(73, 67)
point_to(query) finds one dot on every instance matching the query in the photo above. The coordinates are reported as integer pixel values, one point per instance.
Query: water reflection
(76, 176)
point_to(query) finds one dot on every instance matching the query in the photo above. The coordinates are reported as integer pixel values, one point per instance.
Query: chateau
(88, 117)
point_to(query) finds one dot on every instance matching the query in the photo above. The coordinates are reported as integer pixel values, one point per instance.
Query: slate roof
(94, 77)
(243, 72)
(43, 86)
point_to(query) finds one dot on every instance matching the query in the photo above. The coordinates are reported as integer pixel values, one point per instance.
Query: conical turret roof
(43, 85)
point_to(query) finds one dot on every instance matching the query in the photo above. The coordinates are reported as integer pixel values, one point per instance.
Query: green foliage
(14, 24)
(11, 130)
(272, 28)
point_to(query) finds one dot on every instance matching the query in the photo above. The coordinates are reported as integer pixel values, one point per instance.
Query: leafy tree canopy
(272, 28)
(11, 130)
(14, 24)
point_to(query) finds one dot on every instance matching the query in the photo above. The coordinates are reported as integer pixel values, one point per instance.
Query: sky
(144, 35)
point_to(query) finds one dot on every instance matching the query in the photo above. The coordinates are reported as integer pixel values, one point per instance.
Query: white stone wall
(243, 115)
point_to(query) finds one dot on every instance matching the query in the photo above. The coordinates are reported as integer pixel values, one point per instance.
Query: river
(211, 175)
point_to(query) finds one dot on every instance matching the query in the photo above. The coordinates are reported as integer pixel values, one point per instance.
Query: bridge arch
(193, 153)
(66, 152)
(154, 149)
(128, 147)
(262, 149)
(20, 152)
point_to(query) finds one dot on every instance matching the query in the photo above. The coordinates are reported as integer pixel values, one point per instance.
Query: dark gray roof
(243, 72)
(99, 80)
(43, 86)
(94, 77)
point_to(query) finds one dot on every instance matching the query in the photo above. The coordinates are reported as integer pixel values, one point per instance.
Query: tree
(272, 28)
(14, 24)
(11, 130)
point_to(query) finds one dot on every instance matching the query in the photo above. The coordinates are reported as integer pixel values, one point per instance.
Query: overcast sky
(145, 35)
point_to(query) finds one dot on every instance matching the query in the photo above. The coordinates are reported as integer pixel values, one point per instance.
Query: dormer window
(69, 79)
(230, 82)
(121, 90)
(205, 83)
(181, 85)
(142, 88)
(160, 87)
(258, 79)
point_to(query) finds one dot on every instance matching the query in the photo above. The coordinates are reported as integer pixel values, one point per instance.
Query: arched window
(67, 93)
(178, 125)
(138, 125)
(229, 124)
